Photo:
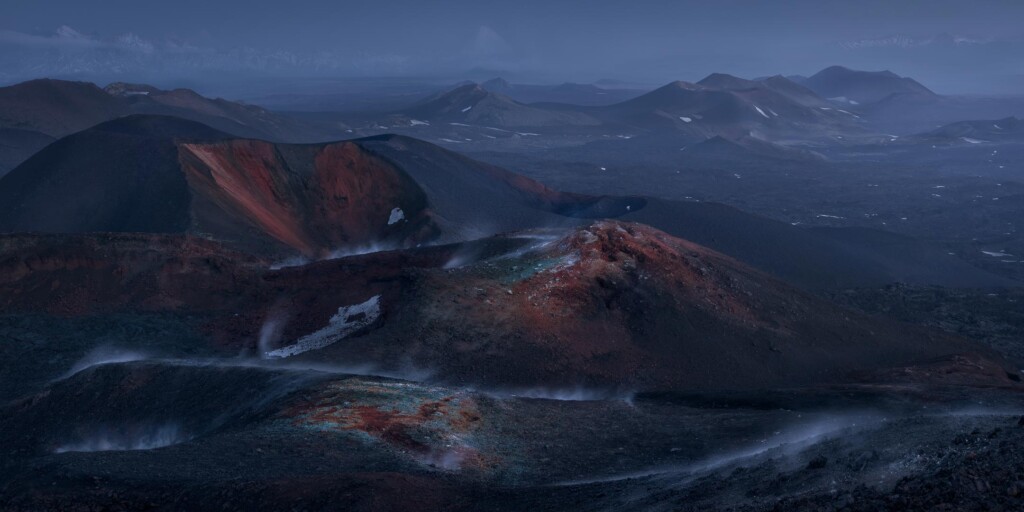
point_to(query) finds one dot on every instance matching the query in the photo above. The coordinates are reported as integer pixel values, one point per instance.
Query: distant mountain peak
(862, 86)
(497, 84)
(726, 81)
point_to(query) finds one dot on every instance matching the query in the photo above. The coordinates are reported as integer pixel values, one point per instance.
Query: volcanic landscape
(772, 293)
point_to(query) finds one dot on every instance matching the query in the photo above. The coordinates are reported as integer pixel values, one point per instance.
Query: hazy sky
(551, 40)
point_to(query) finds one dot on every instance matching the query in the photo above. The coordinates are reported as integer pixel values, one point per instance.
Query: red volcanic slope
(625, 305)
(93, 274)
(611, 305)
(164, 175)
(311, 198)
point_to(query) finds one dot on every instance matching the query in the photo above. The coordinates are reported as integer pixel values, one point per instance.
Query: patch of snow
(997, 127)
(452, 141)
(459, 124)
(773, 113)
(686, 119)
(396, 215)
(759, 111)
(822, 215)
(996, 254)
(971, 141)
(343, 324)
(416, 122)
(467, 109)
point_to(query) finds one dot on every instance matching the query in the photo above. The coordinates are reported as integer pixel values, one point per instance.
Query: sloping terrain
(228, 116)
(17, 145)
(36, 112)
(570, 93)
(811, 258)
(607, 306)
(162, 175)
(862, 87)
(474, 104)
(120, 176)
(720, 149)
(731, 107)
(56, 107)
(1006, 130)
(313, 198)
(165, 175)
(139, 174)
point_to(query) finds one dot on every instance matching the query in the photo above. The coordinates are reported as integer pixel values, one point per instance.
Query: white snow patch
(467, 109)
(417, 122)
(971, 141)
(343, 324)
(396, 215)
(459, 124)
(686, 119)
(826, 216)
(759, 111)
(773, 113)
(996, 254)
(452, 141)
